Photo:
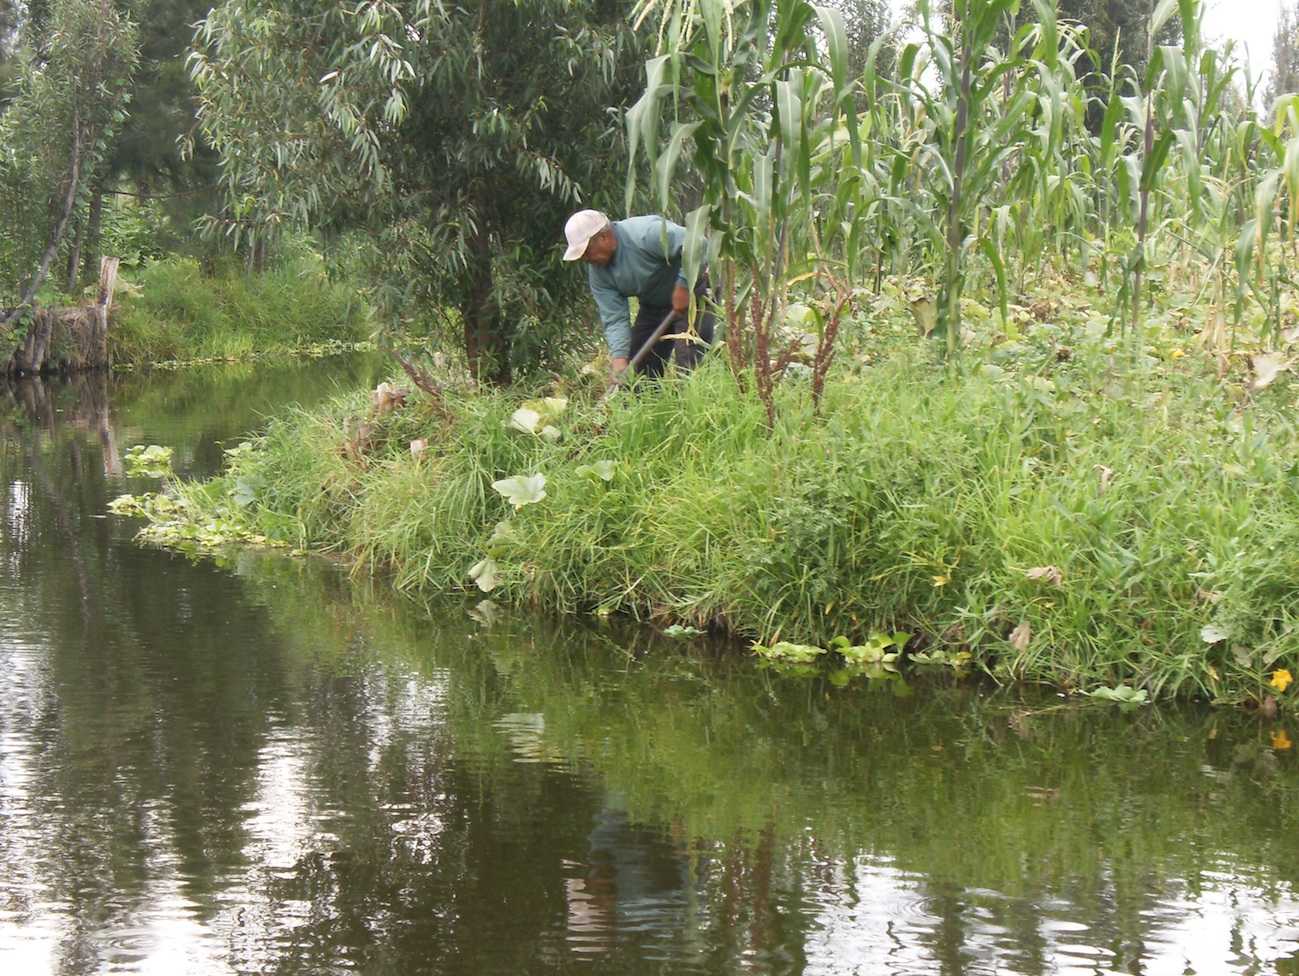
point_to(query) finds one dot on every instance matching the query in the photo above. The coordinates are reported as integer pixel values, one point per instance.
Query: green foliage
(1123, 694)
(9, 66)
(1007, 142)
(152, 461)
(786, 652)
(57, 132)
(171, 310)
(778, 148)
(1019, 523)
(460, 139)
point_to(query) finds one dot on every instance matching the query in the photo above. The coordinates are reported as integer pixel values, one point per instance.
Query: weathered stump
(68, 339)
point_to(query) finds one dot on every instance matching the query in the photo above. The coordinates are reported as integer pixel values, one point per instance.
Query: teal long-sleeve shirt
(647, 264)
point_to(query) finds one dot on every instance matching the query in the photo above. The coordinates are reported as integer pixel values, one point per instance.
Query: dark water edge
(258, 765)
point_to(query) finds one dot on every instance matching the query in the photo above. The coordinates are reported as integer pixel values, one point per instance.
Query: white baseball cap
(579, 230)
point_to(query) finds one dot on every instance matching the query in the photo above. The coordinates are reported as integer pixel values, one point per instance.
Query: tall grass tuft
(177, 312)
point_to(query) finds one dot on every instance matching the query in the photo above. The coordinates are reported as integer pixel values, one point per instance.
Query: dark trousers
(650, 317)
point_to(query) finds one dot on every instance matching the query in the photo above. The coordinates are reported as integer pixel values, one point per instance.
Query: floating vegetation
(172, 522)
(153, 461)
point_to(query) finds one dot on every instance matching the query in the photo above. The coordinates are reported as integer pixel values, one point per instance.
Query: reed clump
(175, 312)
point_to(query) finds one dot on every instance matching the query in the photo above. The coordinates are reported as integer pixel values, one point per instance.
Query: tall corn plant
(764, 108)
(1260, 267)
(977, 99)
(1167, 109)
(1041, 207)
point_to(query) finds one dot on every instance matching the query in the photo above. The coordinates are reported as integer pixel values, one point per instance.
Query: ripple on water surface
(256, 767)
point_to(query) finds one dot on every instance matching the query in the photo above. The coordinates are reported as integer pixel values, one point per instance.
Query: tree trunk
(94, 227)
(74, 258)
(486, 346)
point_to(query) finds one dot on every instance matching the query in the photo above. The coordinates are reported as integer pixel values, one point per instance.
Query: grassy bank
(171, 311)
(1056, 519)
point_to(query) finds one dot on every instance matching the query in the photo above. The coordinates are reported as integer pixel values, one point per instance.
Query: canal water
(256, 764)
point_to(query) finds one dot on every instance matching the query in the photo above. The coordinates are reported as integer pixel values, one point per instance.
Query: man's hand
(681, 299)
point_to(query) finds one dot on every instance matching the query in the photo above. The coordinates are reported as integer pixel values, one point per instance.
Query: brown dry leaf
(1046, 574)
(925, 313)
(1106, 475)
(387, 397)
(1042, 310)
(1214, 335)
(1020, 637)
(1267, 367)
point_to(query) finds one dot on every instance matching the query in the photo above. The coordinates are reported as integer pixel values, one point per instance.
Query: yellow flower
(1178, 353)
(1281, 679)
(1281, 741)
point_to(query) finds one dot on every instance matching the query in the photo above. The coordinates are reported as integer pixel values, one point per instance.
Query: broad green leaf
(1190, 13)
(153, 461)
(526, 420)
(694, 250)
(604, 470)
(789, 652)
(1123, 694)
(836, 41)
(665, 166)
(522, 489)
(679, 632)
(642, 123)
(245, 492)
(483, 573)
(789, 113)
(1160, 17)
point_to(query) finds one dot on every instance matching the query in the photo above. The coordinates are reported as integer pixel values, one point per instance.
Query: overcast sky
(1251, 22)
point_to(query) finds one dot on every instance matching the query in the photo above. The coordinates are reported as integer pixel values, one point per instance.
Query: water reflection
(259, 766)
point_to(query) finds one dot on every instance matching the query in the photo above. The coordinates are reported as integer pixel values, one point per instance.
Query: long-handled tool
(643, 351)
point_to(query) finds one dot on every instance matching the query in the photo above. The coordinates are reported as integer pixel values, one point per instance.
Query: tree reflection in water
(257, 765)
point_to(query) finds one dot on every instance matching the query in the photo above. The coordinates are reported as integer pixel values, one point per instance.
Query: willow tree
(55, 133)
(461, 133)
(8, 47)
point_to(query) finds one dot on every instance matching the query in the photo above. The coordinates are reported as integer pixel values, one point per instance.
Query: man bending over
(638, 256)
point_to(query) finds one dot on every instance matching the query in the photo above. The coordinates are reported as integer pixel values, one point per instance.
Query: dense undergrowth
(1064, 509)
(171, 311)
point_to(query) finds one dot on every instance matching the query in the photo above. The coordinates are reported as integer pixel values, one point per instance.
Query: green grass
(919, 501)
(172, 311)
